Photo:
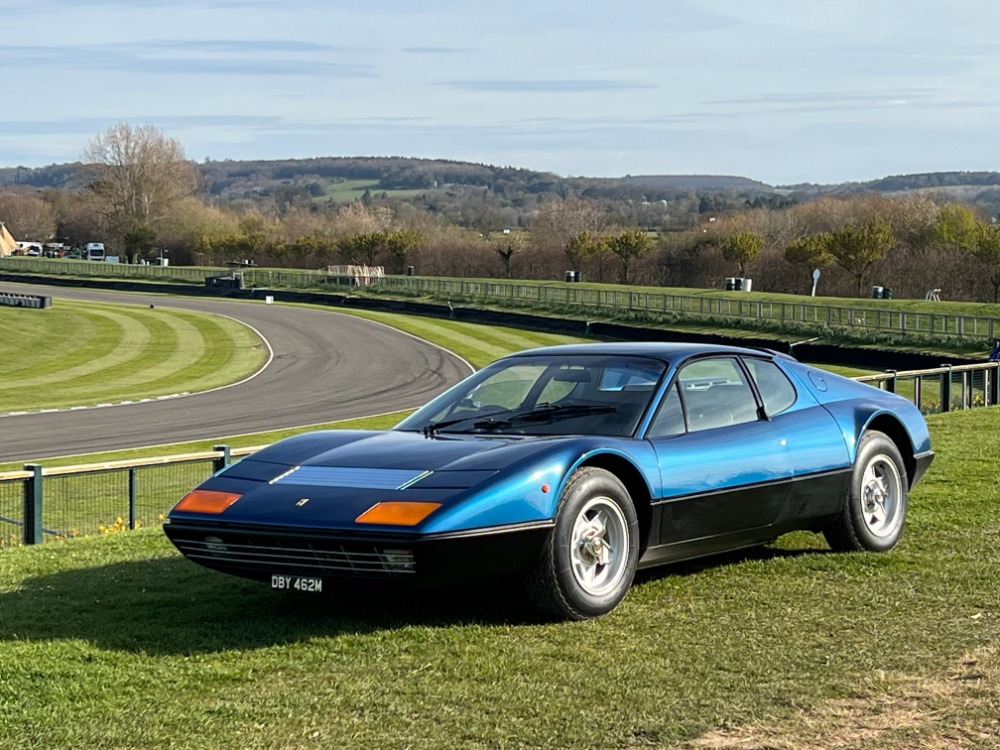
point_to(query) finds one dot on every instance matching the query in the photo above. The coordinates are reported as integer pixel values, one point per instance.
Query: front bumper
(920, 463)
(258, 552)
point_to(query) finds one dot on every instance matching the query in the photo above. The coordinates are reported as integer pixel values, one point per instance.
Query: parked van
(95, 251)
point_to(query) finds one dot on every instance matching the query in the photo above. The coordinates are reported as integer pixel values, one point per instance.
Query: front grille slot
(296, 556)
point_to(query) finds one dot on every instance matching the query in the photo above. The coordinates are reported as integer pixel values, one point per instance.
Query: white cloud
(777, 90)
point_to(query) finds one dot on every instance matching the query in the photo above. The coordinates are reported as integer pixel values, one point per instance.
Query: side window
(669, 420)
(716, 394)
(775, 389)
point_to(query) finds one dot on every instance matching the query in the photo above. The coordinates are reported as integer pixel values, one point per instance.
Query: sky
(782, 91)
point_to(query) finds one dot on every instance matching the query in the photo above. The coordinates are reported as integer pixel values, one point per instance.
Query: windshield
(546, 395)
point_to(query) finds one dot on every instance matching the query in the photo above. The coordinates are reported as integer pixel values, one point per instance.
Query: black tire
(875, 510)
(589, 559)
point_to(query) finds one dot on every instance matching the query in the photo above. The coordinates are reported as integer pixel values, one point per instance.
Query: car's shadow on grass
(171, 606)
(721, 559)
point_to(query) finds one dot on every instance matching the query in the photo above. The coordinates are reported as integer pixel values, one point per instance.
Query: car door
(815, 445)
(724, 466)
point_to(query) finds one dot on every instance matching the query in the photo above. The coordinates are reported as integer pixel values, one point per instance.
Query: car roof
(665, 350)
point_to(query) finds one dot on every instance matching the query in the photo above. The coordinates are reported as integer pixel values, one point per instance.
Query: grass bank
(84, 353)
(116, 641)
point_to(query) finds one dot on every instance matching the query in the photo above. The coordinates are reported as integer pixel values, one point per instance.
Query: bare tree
(508, 245)
(140, 175)
(27, 217)
(558, 222)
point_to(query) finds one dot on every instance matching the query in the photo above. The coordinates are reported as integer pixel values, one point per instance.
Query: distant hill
(238, 180)
(393, 173)
(905, 183)
(698, 183)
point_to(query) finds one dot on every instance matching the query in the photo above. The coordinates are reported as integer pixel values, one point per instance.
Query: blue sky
(782, 91)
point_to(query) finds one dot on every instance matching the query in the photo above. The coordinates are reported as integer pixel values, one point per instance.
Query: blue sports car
(571, 467)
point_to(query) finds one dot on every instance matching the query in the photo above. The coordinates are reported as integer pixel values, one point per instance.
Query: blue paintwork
(323, 481)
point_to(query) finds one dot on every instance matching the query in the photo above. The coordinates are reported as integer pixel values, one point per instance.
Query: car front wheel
(873, 516)
(589, 560)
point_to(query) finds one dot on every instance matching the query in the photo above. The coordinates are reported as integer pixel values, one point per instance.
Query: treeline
(461, 219)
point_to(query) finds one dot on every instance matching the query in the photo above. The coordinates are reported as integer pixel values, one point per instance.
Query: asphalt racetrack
(326, 367)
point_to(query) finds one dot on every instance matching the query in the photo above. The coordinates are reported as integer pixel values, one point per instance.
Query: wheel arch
(896, 432)
(635, 483)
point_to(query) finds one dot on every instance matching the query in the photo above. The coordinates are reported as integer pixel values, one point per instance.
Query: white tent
(7, 243)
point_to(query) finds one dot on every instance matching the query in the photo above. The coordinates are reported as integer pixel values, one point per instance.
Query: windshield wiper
(538, 413)
(544, 413)
(432, 428)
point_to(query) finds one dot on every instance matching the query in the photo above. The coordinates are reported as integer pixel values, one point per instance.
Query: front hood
(327, 479)
(404, 451)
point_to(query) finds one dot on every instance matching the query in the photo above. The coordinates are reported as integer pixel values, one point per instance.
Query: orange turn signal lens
(398, 513)
(207, 501)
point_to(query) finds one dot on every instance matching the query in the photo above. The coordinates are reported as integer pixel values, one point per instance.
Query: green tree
(956, 226)
(742, 248)
(400, 243)
(857, 247)
(139, 242)
(362, 248)
(986, 248)
(581, 245)
(811, 252)
(628, 246)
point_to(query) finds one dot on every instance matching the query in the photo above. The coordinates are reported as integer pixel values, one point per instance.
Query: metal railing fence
(858, 317)
(38, 503)
(945, 388)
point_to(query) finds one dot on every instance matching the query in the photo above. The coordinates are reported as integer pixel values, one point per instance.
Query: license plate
(297, 583)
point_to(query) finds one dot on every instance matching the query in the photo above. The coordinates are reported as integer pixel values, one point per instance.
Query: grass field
(117, 642)
(83, 353)
(345, 191)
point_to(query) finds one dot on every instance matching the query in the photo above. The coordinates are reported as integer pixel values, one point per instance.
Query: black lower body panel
(259, 552)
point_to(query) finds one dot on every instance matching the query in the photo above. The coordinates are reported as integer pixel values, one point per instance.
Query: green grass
(345, 191)
(84, 353)
(117, 642)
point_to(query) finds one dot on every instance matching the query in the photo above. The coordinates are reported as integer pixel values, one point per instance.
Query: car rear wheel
(589, 560)
(873, 516)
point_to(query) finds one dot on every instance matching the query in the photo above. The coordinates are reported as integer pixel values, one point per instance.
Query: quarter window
(669, 420)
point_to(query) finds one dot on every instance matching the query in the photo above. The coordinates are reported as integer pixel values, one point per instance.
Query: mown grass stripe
(94, 335)
(93, 353)
(123, 339)
(35, 342)
(114, 339)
